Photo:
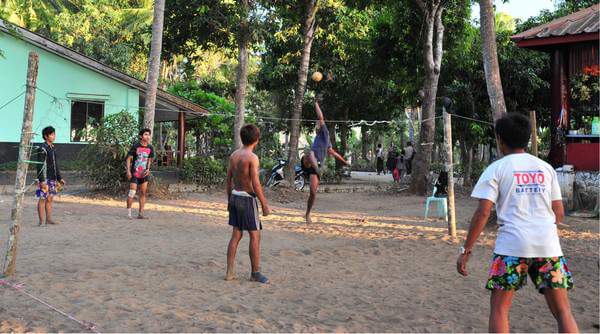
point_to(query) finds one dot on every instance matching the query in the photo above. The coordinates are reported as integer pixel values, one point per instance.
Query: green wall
(59, 77)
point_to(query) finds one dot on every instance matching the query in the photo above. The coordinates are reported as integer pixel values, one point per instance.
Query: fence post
(10, 260)
(450, 169)
(532, 121)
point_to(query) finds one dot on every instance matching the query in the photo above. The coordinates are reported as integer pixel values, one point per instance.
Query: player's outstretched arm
(320, 116)
(336, 155)
(478, 222)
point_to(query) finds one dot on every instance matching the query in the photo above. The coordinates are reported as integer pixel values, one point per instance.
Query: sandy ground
(369, 264)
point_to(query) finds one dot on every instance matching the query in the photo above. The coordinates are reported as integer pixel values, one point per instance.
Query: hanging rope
(12, 100)
(353, 123)
(19, 287)
(471, 119)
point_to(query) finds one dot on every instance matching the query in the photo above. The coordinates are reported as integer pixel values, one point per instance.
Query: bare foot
(308, 219)
(230, 276)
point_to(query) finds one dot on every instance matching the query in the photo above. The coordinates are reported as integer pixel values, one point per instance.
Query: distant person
(139, 160)
(400, 168)
(48, 176)
(243, 189)
(529, 207)
(409, 156)
(441, 185)
(390, 163)
(379, 156)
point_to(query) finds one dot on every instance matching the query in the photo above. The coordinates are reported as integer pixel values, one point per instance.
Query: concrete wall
(587, 185)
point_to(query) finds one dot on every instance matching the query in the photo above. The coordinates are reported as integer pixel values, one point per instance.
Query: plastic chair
(442, 205)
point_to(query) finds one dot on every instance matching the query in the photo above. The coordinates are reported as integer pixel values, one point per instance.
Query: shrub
(103, 160)
(363, 165)
(204, 171)
(329, 174)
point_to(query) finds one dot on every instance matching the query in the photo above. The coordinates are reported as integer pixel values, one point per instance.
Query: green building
(74, 93)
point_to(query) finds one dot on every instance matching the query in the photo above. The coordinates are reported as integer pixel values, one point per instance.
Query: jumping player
(138, 172)
(243, 189)
(528, 203)
(311, 161)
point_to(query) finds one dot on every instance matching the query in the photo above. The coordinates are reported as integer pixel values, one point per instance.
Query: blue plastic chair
(442, 205)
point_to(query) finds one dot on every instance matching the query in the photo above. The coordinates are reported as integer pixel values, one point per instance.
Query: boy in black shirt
(138, 172)
(48, 175)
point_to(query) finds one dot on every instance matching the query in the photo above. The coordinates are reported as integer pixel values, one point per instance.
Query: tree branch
(423, 6)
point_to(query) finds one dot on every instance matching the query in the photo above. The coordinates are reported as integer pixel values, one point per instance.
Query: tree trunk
(466, 159)
(309, 29)
(343, 127)
(198, 136)
(242, 73)
(10, 259)
(364, 135)
(432, 59)
(154, 63)
(490, 59)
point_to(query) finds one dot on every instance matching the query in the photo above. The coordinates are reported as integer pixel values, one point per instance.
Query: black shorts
(138, 181)
(308, 170)
(243, 212)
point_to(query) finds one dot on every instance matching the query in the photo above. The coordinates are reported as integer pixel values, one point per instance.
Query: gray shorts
(243, 212)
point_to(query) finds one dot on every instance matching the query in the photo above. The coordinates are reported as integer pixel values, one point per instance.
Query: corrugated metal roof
(584, 21)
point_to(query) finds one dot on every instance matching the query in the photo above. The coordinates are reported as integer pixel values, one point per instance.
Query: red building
(572, 42)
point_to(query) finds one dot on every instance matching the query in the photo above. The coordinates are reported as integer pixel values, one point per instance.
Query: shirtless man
(311, 161)
(243, 189)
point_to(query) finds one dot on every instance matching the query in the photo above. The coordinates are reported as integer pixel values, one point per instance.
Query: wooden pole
(450, 170)
(534, 145)
(10, 260)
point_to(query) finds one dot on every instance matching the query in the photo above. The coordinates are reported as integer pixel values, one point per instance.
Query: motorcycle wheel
(299, 182)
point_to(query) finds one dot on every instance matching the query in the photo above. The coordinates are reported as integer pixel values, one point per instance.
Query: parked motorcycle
(277, 175)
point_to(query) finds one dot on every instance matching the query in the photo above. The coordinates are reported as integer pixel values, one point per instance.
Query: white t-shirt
(523, 188)
(408, 151)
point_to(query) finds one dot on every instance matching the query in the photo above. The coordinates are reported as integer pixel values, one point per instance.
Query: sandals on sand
(258, 277)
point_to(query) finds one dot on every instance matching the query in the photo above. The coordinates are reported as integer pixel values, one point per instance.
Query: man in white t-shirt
(529, 206)
(379, 156)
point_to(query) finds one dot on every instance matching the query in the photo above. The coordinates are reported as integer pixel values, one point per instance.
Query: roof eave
(556, 40)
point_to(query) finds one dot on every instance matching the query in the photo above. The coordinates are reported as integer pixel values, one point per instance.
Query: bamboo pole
(10, 260)
(450, 170)
(532, 121)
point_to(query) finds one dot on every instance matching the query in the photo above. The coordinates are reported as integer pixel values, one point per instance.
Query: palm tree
(243, 38)
(154, 63)
(490, 59)
(309, 29)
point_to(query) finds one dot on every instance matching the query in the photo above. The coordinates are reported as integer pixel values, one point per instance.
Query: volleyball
(317, 76)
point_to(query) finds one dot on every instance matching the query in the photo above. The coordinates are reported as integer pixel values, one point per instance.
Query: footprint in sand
(289, 253)
(214, 264)
(231, 308)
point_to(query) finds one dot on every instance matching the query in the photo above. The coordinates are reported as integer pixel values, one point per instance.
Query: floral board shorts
(52, 189)
(510, 273)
